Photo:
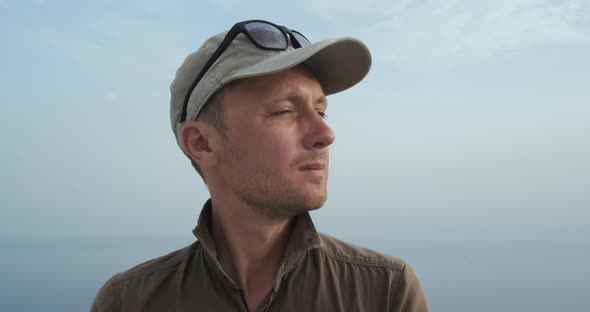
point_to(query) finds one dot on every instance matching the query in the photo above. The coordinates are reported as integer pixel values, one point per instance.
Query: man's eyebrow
(294, 93)
(323, 100)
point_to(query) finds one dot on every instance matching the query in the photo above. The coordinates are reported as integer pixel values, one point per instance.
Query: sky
(473, 123)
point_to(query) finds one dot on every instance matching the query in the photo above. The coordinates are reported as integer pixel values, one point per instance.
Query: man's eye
(282, 112)
(323, 114)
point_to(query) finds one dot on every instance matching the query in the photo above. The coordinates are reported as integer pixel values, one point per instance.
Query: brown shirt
(318, 273)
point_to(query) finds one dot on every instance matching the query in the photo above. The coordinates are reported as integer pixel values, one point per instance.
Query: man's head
(252, 121)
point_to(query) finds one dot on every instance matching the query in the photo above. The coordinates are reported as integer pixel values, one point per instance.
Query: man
(248, 110)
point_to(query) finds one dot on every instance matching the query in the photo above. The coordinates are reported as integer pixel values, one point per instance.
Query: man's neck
(249, 247)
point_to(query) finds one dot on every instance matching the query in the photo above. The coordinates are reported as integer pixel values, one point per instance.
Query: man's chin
(287, 210)
(311, 205)
(315, 205)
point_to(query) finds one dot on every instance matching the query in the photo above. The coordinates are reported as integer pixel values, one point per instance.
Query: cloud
(345, 7)
(427, 34)
(122, 48)
(110, 96)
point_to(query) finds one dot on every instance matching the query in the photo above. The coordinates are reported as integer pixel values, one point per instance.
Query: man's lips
(313, 166)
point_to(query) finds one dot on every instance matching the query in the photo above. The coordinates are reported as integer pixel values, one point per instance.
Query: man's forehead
(294, 91)
(297, 81)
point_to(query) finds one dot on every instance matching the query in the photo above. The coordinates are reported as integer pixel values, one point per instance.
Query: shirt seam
(123, 281)
(111, 288)
(360, 262)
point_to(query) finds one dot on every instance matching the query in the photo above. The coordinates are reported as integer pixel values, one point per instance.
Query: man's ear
(198, 139)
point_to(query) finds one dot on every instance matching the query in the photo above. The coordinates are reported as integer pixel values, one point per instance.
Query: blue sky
(472, 124)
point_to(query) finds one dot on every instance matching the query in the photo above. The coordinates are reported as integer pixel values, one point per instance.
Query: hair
(213, 114)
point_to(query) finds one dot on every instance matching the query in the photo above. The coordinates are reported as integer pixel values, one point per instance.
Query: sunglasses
(264, 35)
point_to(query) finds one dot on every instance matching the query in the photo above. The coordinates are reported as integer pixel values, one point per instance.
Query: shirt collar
(304, 237)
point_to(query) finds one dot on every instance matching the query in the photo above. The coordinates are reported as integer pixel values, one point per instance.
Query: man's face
(275, 158)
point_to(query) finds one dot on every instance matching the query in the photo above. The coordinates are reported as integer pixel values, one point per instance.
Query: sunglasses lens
(267, 35)
(301, 39)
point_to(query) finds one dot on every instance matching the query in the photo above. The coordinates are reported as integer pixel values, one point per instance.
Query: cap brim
(337, 63)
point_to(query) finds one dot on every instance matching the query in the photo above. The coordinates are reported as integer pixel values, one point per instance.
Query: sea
(64, 274)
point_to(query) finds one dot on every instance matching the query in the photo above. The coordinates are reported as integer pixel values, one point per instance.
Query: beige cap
(337, 63)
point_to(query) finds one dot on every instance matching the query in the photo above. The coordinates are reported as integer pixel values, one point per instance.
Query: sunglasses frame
(239, 28)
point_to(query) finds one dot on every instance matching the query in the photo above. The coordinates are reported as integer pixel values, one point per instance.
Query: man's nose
(319, 134)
